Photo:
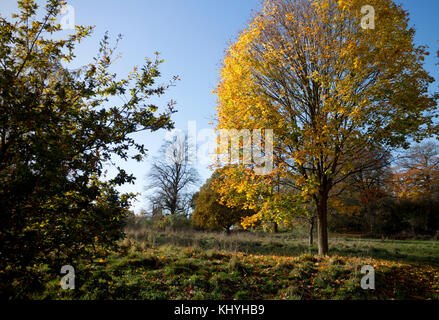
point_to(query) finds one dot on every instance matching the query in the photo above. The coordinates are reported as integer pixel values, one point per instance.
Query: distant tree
(415, 188)
(417, 174)
(194, 200)
(330, 90)
(209, 213)
(170, 179)
(362, 191)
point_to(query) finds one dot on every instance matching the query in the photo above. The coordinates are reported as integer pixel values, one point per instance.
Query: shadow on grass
(423, 252)
(284, 244)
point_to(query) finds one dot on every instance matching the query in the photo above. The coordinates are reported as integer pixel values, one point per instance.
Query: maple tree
(331, 91)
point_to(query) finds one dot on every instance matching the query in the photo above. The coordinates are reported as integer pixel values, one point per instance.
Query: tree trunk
(322, 222)
(275, 227)
(311, 230)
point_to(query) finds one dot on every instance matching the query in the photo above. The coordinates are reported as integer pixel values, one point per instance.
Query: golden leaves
(320, 81)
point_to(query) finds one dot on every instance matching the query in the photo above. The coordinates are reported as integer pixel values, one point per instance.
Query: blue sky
(191, 36)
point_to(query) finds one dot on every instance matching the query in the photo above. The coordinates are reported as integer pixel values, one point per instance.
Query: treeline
(396, 197)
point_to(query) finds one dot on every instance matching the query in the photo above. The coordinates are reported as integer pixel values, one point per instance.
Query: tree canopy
(209, 213)
(170, 179)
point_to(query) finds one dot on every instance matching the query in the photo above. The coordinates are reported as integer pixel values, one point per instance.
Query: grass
(155, 264)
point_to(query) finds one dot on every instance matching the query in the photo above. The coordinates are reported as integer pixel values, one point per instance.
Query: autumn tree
(331, 90)
(171, 178)
(362, 194)
(58, 127)
(414, 187)
(209, 213)
(417, 173)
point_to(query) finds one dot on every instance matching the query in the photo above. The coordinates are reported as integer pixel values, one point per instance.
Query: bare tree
(171, 178)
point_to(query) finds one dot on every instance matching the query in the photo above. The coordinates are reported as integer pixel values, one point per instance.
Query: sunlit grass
(169, 272)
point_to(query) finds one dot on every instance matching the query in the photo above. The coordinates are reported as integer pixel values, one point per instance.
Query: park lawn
(173, 272)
